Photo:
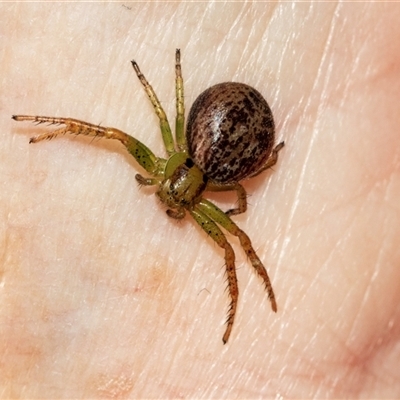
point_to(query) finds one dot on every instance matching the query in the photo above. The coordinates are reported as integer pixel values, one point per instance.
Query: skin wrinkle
(366, 355)
(313, 137)
(363, 305)
(366, 295)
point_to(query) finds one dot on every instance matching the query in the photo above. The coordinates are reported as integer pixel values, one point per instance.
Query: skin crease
(104, 296)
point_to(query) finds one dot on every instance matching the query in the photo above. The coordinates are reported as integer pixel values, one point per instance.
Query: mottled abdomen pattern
(230, 132)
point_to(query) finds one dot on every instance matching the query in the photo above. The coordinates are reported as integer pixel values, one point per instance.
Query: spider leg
(217, 215)
(272, 160)
(210, 227)
(164, 124)
(240, 191)
(143, 155)
(180, 105)
(142, 181)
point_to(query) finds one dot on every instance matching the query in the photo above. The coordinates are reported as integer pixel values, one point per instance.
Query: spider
(229, 137)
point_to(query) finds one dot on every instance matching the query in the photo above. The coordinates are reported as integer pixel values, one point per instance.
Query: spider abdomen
(230, 132)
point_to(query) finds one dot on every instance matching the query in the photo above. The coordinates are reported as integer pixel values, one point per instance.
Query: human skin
(103, 295)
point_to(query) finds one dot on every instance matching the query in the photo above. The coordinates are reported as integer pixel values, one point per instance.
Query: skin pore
(103, 295)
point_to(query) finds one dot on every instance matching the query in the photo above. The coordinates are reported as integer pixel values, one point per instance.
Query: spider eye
(189, 163)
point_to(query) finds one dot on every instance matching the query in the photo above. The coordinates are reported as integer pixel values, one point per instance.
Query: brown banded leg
(240, 191)
(272, 160)
(143, 155)
(218, 216)
(218, 236)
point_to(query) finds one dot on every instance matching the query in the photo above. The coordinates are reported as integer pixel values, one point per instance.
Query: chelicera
(229, 137)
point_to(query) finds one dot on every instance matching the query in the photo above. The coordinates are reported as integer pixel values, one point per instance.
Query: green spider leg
(206, 222)
(180, 105)
(143, 155)
(208, 215)
(180, 108)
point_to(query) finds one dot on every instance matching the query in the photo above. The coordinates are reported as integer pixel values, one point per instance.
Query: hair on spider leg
(49, 123)
(97, 137)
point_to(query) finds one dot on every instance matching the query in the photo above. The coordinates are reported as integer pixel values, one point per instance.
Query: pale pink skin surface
(102, 295)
